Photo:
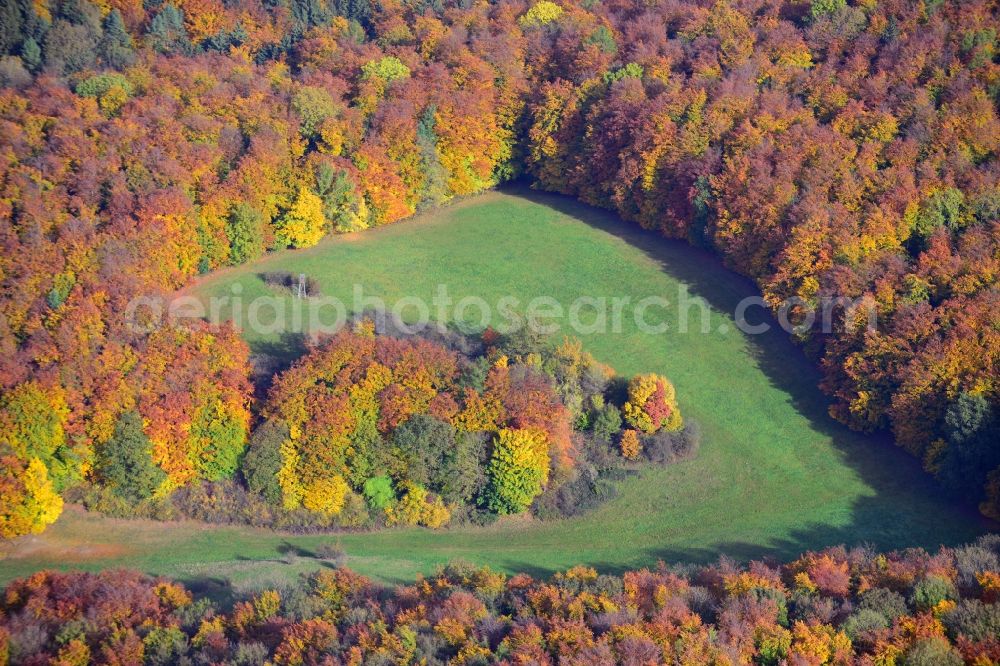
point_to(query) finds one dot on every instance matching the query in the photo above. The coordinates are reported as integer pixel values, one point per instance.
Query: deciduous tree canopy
(825, 149)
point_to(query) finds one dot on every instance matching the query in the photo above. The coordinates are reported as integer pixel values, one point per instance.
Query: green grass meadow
(774, 476)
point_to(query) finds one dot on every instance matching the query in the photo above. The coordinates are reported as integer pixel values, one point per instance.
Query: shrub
(221, 503)
(354, 513)
(104, 500)
(598, 453)
(290, 281)
(630, 445)
(330, 552)
(607, 422)
(574, 498)
(667, 447)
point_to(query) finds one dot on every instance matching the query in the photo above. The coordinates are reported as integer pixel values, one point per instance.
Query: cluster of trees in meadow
(822, 147)
(842, 607)
(368, 430)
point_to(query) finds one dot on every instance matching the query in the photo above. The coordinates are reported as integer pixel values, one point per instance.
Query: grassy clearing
(774, 476)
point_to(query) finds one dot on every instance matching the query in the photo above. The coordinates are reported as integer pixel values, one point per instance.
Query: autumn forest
(841, 154)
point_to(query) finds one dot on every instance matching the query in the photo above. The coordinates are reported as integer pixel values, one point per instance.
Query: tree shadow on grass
(271, 357)
(282, 351)
(218, 589)
(871, 525)
(221, 589)
(906, 507)
(862, 532)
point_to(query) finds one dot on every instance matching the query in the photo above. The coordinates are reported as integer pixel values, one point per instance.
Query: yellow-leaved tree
(652, 404)
(518, 470)
(541, 13)
(32, 425)
(326, 495)
(28, 500)
(417, 507)
(303, 224)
